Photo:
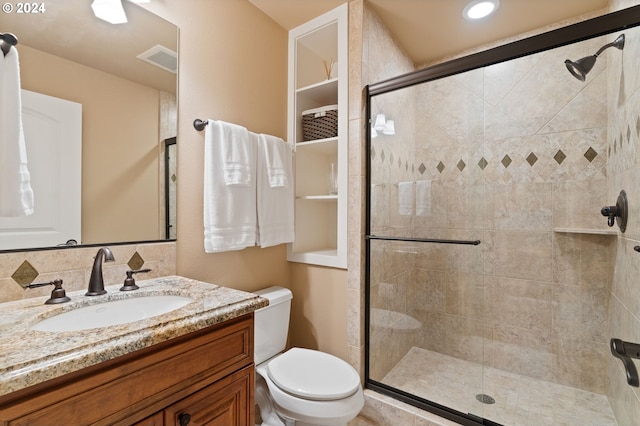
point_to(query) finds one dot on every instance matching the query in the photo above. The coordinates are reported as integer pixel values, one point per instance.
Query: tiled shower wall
(73, 266)
(624, 173)
(514, 155)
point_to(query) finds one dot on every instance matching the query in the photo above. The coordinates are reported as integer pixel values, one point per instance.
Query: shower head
(580, 68)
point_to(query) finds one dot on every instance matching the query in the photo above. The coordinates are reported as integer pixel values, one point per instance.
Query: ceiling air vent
(161, 57)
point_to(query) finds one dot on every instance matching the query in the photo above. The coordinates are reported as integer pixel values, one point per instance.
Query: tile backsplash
(73, 266)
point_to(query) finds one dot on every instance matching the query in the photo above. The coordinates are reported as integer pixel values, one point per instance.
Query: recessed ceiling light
(109, 10)
(479, 9)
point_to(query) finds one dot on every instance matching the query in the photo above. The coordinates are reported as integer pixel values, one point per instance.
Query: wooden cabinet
(320, 213)
(224, 403)
(208, 375)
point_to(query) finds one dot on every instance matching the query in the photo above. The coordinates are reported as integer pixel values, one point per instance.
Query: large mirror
(122, 78)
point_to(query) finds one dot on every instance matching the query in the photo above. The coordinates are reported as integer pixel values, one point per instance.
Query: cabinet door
(154, 420)
(228, 402)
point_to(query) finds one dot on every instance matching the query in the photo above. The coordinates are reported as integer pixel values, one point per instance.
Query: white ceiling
(432, 29)
(426, 29)
(70, 30)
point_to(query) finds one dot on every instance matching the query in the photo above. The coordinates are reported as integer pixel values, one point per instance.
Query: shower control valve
(619, 211)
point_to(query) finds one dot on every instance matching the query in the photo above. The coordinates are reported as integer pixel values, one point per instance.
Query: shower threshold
(518, 400)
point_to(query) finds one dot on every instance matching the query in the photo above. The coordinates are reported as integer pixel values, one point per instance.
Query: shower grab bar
(425, 240)
(624, 351)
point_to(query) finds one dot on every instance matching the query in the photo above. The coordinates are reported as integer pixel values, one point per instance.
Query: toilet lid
(313, 375)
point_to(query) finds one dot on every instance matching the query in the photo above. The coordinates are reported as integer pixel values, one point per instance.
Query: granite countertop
(30, 357)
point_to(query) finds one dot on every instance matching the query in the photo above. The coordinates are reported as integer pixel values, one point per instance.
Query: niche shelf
(586, 231)
(320, 217)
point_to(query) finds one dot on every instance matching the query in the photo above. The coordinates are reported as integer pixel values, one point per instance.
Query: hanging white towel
(405, 198)
(423, 198)
(16, 195)
(275, 191)
(277, 159)
(229, 187)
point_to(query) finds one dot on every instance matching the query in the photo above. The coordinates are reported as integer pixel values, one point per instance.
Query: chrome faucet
(96, 282)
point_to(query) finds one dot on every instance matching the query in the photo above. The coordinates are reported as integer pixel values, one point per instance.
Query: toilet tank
(271, 323)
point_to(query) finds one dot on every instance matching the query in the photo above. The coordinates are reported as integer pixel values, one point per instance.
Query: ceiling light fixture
(479, 9)
(109, 10)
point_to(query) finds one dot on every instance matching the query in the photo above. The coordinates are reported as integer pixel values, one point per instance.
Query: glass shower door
(515, 156)
(427, 300)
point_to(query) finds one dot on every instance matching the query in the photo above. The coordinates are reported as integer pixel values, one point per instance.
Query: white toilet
(300, 387)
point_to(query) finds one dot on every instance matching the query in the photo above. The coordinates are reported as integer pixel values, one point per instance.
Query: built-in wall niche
(318, 91)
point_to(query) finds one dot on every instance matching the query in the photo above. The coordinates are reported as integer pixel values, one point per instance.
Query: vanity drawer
(139, 384)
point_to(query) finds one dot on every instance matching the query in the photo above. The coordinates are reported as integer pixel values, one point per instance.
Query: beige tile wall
(73, 266)
(512, 151)
(624, 173)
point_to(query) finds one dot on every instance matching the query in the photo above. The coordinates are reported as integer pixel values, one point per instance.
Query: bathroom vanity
(193, 365)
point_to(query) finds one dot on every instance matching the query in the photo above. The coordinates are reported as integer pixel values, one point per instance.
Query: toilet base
(274, 414)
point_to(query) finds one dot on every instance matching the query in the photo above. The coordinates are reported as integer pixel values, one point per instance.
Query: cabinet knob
(184, 419)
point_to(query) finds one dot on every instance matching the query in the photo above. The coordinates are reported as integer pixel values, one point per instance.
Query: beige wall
(318, 316)
(120, 194)
(232, 74)
(240, 76)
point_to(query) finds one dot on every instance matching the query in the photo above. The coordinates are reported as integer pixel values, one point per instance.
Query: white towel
(423, 198)
(16, 195)
(233, 140)
(405, 198)
(276, 155)
(229, 187)
(275, 192)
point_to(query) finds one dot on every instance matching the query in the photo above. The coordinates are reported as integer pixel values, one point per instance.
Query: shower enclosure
(489, 266)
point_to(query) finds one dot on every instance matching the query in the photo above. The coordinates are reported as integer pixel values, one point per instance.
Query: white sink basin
(112, 313)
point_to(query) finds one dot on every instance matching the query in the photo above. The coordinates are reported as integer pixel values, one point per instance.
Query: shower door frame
(602, 25)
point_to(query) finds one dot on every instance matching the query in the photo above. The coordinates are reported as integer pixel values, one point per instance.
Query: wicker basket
(320, 123)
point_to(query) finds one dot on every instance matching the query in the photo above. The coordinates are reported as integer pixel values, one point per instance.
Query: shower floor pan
(519, 400)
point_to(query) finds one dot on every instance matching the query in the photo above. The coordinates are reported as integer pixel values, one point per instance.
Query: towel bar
(6, 41)
(199, 125)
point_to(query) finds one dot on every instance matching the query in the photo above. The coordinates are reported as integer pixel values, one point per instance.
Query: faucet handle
(130, 282)
(58, 295)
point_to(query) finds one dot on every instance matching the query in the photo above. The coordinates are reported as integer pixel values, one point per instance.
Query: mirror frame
(162, 159)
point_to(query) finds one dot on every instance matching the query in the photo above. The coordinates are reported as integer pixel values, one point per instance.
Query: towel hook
(6, 41)
(199, 124)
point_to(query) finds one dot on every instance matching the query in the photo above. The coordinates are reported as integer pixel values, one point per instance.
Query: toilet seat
(313, 375)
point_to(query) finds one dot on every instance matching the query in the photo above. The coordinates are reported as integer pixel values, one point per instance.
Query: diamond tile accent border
(136, 261)
(559, 157)
(461, 165)
(590, 154)
(506, 161)
(531, 159)
(25, 274)
(440, 167)
(422, 168)
(482, 163)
